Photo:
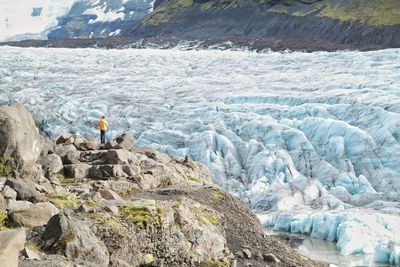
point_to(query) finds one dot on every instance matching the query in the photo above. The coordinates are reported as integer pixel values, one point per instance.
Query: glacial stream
(310, 140)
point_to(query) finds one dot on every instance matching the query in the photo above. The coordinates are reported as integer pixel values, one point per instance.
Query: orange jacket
(103, 125)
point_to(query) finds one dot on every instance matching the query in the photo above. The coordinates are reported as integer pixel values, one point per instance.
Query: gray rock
(36, 215)
(72, 157)
(11, 243)
(271, 258)
(31, 254)
(103, 172)
(62, 139)
(9, 193)
(240, 254)
(51, 163)
(3, 203)
(25, 190)
(19, 137)
(75, 240)
(16, 205)
(109, 195)
(91, 145)
(247, 253)
(80, 170)
(63, 150)
(125, 141)
(111, 145)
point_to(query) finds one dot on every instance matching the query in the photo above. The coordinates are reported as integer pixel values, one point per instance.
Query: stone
(74, 239)
(16, 205)
(11, 243)
(9, 193)
(103, 172)
(71, 157)
(34, 174)
(51, 163)
(125, 141)
(31, 254)
(271, 258)
(19, 137)
(247, 253)
(111, 145)
(113, 209)
(62, 139)
(240, 254)
(36, 215)
(109, 195)
(3, 203)
(79, 142)
(147, 259)
(80, 170)
(25, 190)
(63, 150)
(91, 145)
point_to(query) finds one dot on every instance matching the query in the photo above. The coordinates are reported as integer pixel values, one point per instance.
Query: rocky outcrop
(115, 205)
(19, 137)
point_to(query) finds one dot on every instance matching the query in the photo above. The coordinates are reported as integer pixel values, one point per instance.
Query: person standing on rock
(103, 126)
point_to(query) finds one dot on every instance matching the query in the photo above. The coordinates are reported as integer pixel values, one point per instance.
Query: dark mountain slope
(357, 23)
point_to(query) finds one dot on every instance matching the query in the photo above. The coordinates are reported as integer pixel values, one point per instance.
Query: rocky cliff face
(80, 203)
(266, 23)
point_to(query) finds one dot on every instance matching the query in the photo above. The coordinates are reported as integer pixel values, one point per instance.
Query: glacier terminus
(310, 141)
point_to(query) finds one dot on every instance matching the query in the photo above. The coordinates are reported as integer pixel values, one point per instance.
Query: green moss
(216, 263)
(5, 167)
(137, 215)
(212, 219)
(64, 201)
(217, 196)
(3, 219)
(68, 181)
(193, 179)
(127, 191)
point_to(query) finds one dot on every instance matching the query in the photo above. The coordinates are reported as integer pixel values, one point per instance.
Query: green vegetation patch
(166, 11)
(5, 167)
(3, 219)
(142, 216)
(372, 12)
(217, 195)
(193, 179)
(68, 181)
(64, 201)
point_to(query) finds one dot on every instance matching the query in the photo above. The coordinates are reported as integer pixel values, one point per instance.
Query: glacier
(29, 19)
(310, 141)
(54, 19)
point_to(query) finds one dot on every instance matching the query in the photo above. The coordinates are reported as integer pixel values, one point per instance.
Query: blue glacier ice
(310, 141)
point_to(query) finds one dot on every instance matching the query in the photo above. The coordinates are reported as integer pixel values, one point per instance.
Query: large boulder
(74, 239)
(19, 137)
(25, 190)
(51, 163)
(125, 141)
(36, 215)
(11, 243)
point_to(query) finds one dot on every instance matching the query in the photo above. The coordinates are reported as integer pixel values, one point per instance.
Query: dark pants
(103, 137)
